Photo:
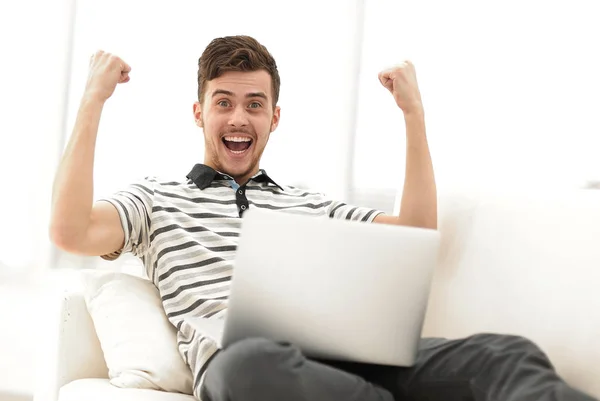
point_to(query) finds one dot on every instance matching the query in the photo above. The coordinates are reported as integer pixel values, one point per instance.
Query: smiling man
(186, 234)
(237, 112)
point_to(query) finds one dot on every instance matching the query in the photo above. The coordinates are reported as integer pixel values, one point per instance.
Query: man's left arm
(418, 207)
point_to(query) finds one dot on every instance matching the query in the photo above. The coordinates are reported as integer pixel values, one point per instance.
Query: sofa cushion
(524, 264)
(102, 390)
(138, 341)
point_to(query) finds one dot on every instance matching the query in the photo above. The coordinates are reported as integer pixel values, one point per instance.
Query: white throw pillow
(138, 341)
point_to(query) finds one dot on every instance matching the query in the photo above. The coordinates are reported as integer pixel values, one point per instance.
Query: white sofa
(520, 264)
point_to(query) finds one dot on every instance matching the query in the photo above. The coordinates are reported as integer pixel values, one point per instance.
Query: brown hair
(236, 53)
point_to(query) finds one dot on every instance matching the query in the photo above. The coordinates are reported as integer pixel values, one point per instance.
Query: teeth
(237, 152)
(237, 139)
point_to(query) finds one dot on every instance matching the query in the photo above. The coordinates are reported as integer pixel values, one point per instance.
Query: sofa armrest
(69, 347)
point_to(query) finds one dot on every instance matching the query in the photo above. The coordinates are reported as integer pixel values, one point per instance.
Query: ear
(275, 120)
(198, 114)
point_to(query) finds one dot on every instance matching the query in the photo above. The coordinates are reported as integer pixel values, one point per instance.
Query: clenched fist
(106, 71)
(401, 81)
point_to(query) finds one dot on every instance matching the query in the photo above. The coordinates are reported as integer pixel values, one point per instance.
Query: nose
(238, 117)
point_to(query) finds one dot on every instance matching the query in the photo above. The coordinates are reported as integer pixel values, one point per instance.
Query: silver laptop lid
(338, 289)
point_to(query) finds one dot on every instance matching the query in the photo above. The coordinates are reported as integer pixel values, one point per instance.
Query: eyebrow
(261, 95)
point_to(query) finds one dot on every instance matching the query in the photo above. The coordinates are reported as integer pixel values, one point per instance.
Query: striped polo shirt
(186, 235)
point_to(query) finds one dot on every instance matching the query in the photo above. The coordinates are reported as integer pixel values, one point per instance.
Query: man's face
(237, 116)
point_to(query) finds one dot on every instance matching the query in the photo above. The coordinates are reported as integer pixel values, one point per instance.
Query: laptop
(339, 290)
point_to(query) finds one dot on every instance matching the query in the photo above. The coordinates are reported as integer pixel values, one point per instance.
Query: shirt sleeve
(341, 210)
(134, 205)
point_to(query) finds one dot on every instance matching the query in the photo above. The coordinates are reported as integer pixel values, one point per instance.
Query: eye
(223, 103)
(255, 105)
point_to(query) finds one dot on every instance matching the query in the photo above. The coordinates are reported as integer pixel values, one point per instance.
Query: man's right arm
(76, 225)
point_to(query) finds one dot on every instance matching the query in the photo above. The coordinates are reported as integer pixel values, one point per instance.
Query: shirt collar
(203, 176)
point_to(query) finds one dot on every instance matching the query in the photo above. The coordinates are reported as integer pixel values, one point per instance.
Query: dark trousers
(481, 367)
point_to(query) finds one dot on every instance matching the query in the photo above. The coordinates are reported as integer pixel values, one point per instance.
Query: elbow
(64, 238)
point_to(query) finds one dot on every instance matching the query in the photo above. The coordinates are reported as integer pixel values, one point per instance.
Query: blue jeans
(486, 367)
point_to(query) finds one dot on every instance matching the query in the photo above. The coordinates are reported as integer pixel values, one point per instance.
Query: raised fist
(105, 72)
(401, 81)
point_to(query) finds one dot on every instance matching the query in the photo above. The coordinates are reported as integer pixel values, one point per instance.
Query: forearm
(72, 195)
(418, 207)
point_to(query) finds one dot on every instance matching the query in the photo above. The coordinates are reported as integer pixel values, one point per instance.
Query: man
(186, 235)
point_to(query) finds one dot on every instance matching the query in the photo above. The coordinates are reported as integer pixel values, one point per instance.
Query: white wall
(33, 71)
(33, 75)
(510, 90)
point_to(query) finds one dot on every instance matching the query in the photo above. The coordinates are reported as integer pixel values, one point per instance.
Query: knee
(505, 343)
(250, 363)
(251, 355)
(509, 347)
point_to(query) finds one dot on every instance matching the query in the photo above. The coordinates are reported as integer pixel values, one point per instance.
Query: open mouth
(237, 144)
